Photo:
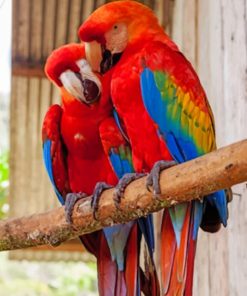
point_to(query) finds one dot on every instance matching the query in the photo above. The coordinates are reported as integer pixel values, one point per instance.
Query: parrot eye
(116, 42)
(117, 38)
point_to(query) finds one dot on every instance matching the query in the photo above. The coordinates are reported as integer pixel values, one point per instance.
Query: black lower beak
(109, 60)
(91, 91)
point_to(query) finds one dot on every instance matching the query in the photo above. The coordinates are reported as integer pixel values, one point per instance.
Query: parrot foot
(99, 188)
(123, 183)
(70, 201)
(154, 176)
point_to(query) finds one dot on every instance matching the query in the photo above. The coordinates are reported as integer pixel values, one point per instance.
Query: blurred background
(212, 35)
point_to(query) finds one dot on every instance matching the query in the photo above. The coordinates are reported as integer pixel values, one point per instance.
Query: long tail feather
(155, 286)
(181, 253)
(190, 266)
(175, 286)
(117, 237)
(132, 262)
(107, 270)
(120, 289)
(147, 229)
(178, 273)
(177, 260)
(168, 248)
(90, 242)
(149, 280)
(178, 214)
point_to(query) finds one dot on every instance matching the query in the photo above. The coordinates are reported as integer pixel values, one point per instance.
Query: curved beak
(99, 58)
(94, 55)
(84, 85)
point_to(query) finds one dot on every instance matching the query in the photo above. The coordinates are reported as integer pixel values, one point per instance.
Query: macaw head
(112, 28)
(70, 71)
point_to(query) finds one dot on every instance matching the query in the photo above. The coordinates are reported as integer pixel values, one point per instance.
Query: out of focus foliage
(23, 278)
(4, 184)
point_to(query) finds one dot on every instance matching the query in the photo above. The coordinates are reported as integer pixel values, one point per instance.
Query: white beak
(94, 55)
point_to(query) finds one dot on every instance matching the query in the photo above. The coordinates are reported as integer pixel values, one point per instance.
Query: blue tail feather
(117, 236)
(177, 214)
(146, 226)
(197, 217)
(218, 199)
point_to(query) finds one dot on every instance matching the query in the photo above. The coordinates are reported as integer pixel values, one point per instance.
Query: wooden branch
(191, 180)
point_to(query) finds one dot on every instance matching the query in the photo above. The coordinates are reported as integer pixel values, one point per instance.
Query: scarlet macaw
(167, 118)
(76, 136)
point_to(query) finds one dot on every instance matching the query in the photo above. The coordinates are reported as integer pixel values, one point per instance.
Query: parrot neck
(148, 36)
(96, 112)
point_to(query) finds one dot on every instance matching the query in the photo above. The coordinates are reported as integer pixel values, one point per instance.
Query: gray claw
(99, 188)
(154, 176)
(123, 183)
(71, 199)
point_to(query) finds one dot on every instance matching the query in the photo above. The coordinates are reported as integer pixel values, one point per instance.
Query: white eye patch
(117, 38)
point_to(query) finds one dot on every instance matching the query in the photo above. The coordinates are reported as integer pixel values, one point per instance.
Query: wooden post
(212, 34)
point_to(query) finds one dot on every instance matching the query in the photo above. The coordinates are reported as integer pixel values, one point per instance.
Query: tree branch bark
(191, 180)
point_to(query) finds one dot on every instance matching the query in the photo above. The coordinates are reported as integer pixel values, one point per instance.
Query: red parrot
(166, 116)
(82, 146)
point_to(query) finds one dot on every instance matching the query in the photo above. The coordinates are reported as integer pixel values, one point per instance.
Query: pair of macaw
(131, 103)
(84, 153)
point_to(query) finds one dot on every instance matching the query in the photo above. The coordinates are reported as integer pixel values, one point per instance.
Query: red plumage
(180, 126)
(79, 161)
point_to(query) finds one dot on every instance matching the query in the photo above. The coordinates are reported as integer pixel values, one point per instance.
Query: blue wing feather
(121, 166)
(180, 143)
(117, 120)
(218, 199)
(48, 165)
(121, 161)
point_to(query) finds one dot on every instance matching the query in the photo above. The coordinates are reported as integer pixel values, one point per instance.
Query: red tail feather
(168, 247)
(132, 261)
(90, 242)
(107, 271)
(190, 268)
(120, 289)
(177, 263)
(111, 281)
(149, 281)
(155, 286)
(182, 250)
(190, 262)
